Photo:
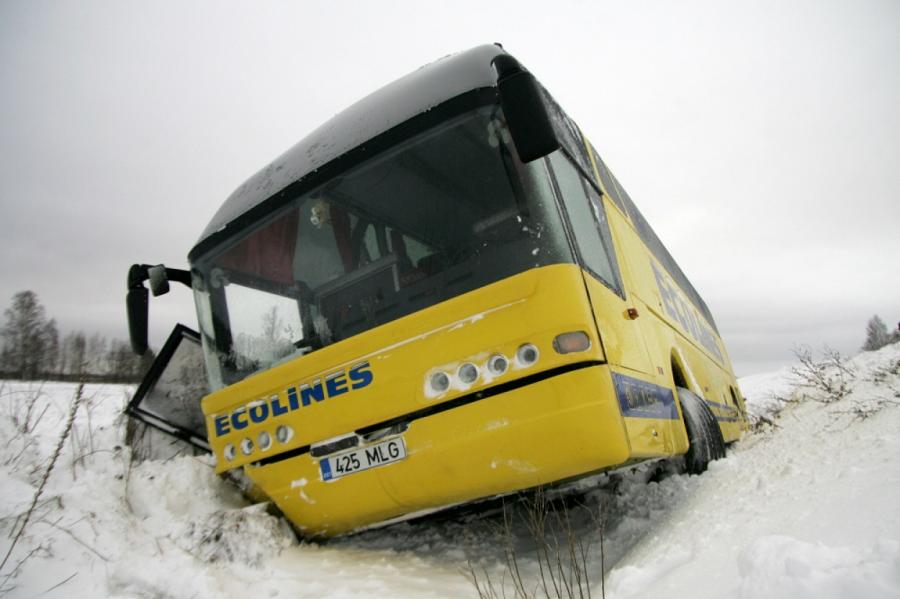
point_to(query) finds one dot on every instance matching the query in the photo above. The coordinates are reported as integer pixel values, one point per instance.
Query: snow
(778, 567)
(765, 389)
(802, 507)
(789, 507)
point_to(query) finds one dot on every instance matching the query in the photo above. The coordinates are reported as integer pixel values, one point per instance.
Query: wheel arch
(682, 376)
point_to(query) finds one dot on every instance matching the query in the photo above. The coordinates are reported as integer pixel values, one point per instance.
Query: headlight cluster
(441, 380)
(468, 373)
(283, 434)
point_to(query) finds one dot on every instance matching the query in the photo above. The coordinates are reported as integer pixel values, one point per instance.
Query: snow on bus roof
(378, 112)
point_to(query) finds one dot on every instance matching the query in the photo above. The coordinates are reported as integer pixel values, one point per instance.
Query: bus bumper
(557, 428)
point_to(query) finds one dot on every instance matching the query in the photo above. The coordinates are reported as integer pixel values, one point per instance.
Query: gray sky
(760, 139)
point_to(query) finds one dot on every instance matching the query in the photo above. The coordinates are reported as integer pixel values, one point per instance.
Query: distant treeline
(33, 350)
(72, 378)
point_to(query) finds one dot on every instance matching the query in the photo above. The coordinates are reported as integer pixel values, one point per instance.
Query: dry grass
(561, 553)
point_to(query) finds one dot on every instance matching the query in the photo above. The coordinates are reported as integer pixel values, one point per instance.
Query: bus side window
(588, 222)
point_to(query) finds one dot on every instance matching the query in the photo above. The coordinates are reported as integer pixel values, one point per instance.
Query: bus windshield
(445, 212)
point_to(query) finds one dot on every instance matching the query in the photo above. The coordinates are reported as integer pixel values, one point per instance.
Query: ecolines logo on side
(301, 395)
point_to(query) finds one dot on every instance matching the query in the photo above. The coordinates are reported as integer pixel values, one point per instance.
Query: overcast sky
(760, 139)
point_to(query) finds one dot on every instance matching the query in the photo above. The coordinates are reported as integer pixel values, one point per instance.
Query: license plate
(342, 464)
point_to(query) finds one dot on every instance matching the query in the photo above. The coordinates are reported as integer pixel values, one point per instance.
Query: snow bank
(765, 393)
(805, 508)
(780, 567)
(109, 527)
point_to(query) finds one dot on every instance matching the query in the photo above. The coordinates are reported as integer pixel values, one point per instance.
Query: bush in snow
(827, 380)
(868, 384)
(886, 382)
(877, 335)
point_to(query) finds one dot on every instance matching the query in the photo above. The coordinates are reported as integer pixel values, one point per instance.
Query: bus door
(622, 340)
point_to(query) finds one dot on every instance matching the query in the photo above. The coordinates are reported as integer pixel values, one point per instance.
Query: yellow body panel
(567, 419)
(554, 429)
(599, 406)
(531, 307)
(672, 330)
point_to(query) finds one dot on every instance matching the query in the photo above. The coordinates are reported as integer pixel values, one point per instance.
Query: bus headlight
(246, 446)
(439, 382)
(228, 452)
(527, 354)
(497, 364)
(467, 373)
(284, 433)
(264, 440)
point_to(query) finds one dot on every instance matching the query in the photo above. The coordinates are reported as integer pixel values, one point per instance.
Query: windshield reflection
(444, 213)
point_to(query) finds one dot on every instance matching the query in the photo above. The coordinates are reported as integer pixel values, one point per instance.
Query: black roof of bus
(375, 114)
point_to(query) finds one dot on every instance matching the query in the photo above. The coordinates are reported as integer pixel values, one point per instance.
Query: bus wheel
(704, 434)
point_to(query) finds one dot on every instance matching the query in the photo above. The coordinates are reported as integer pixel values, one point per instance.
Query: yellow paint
(558, 428)
(532, 433)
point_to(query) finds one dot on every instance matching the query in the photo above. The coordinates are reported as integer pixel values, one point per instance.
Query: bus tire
(704, 435)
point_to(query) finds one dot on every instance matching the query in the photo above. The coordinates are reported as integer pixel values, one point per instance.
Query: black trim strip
(447, 405)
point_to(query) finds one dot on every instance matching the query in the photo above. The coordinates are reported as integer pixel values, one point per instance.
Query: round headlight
(467, 373)
(284, 433)
(228, 452)
(497, 364)
(264, 440)
(439, 382)
(246, 446)
(527, 354)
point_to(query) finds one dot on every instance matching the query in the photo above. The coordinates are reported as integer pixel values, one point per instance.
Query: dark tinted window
(588, 221)
(606, 179)
(570, 137)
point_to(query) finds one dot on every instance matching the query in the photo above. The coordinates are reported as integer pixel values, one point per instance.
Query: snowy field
(806, 505)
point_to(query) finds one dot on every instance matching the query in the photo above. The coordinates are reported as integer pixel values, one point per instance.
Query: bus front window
(443, 213)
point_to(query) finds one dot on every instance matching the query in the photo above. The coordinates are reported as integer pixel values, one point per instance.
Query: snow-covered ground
(806, 507)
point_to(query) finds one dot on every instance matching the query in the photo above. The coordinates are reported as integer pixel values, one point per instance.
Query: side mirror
(526, 114)
(159, 281)
(137, 302)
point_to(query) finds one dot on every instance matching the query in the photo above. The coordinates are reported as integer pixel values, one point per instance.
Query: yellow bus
(442, 295)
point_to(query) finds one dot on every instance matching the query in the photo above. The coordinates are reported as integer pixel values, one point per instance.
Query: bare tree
(272, 324)
(96, 354)
(30, 341)
(123, 364)
(73, 353)
(119, 360)
(51, 349)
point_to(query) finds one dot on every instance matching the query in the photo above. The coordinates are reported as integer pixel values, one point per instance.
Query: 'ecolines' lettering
(678, 308)
(298, 396)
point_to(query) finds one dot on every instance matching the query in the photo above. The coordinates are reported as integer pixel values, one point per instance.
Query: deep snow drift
(804, 508)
